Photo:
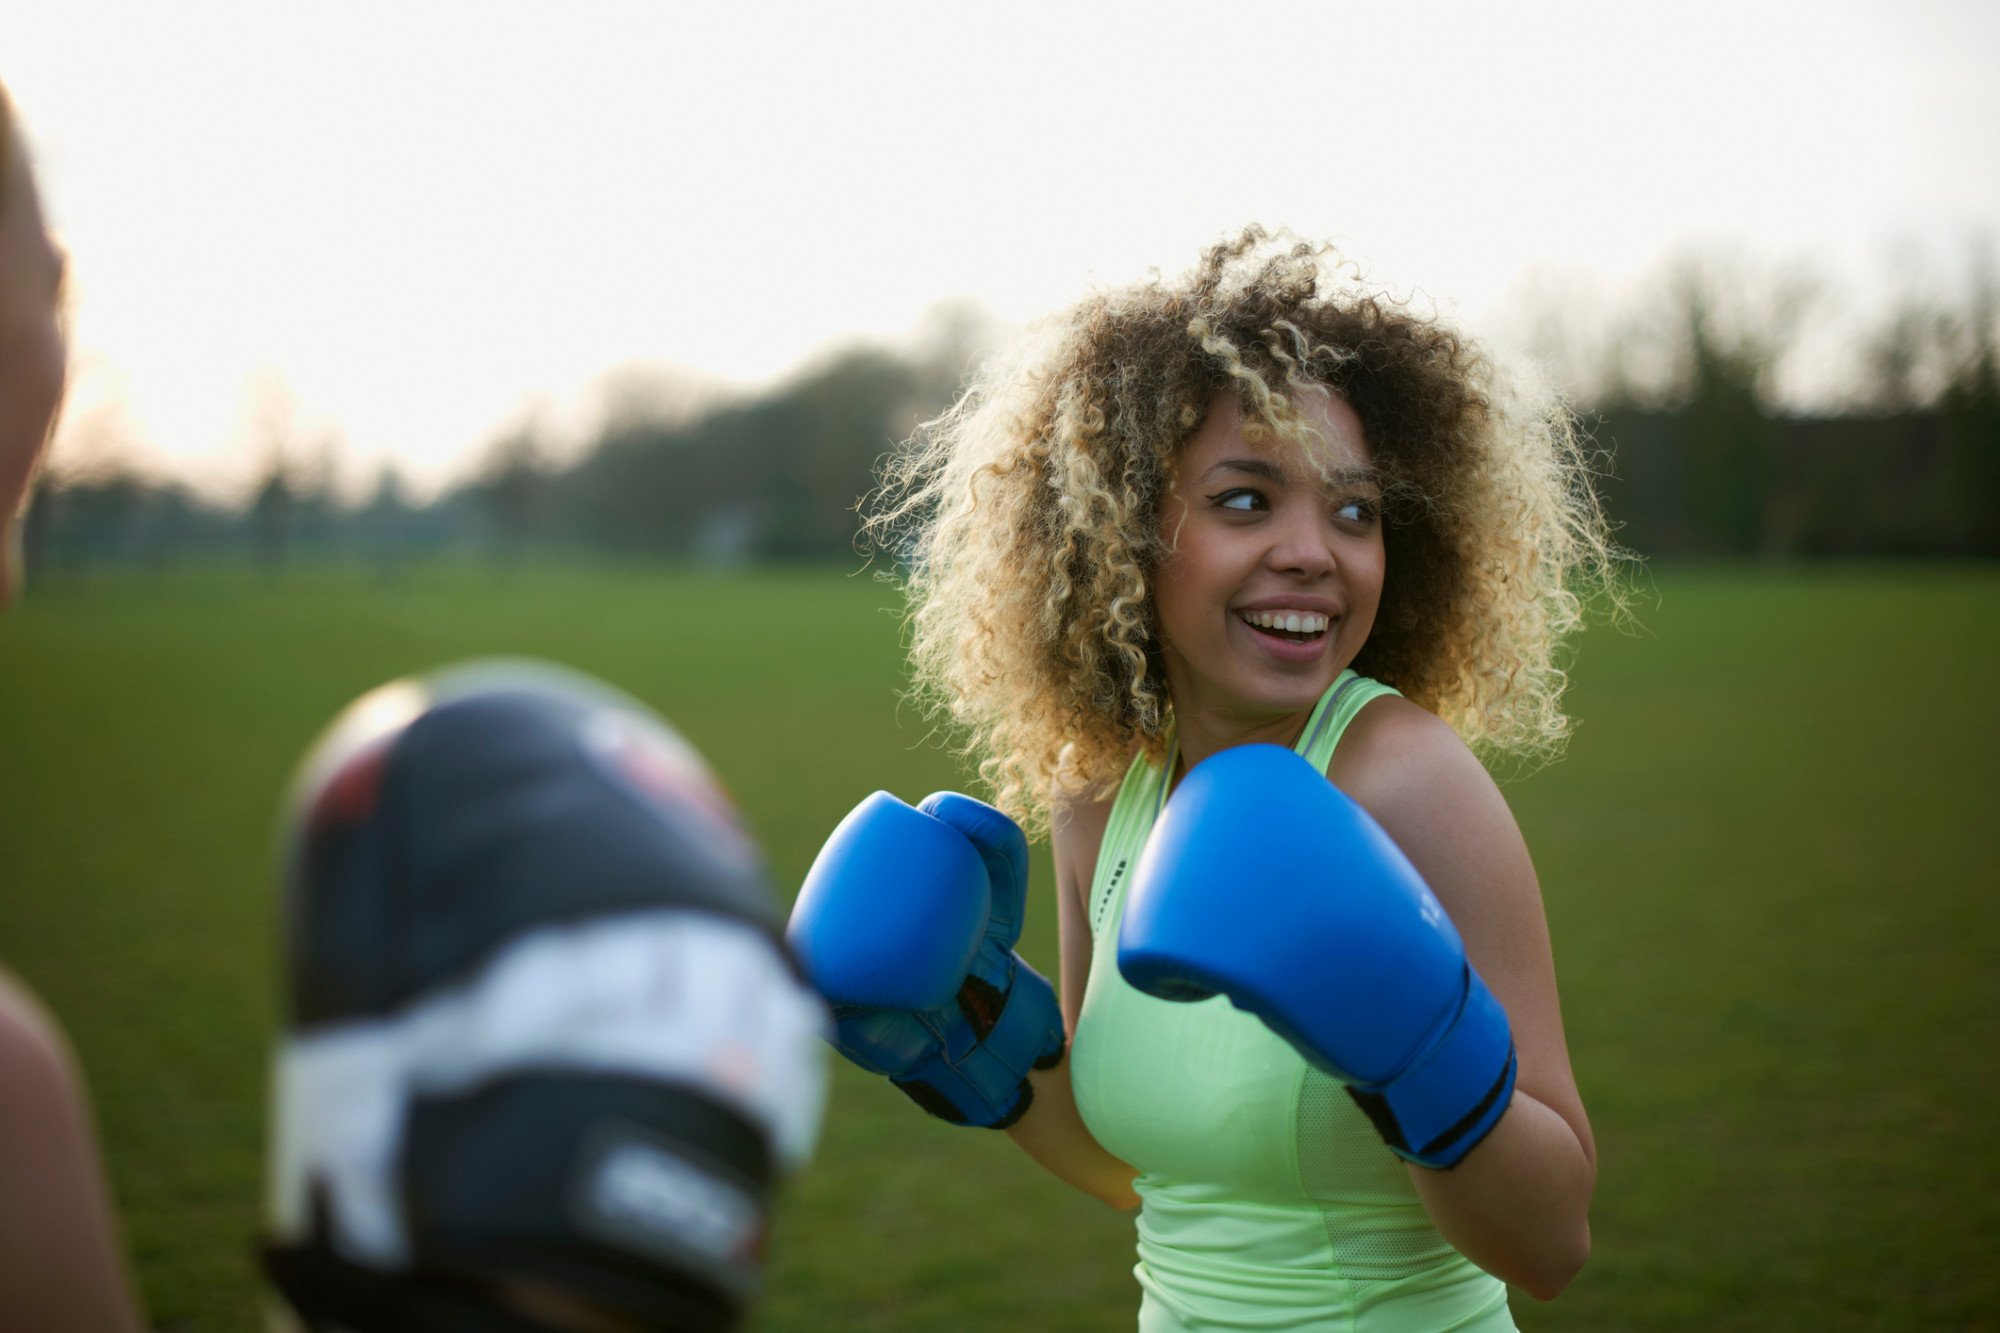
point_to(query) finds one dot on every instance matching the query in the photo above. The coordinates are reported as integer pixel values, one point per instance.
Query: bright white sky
(428, 218)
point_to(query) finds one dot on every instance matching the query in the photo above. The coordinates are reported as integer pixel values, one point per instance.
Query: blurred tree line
(1705, 460)
(772, 476)
(1702, 458)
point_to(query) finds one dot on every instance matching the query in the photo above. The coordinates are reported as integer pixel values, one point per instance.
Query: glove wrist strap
(1452, 1095)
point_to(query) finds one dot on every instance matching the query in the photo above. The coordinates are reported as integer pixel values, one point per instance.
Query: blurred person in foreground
(1226, 577)
(60, 1262)
(546, 1058)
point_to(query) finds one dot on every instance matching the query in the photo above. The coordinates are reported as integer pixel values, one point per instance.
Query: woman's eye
(1241, 499)
(1356, 511)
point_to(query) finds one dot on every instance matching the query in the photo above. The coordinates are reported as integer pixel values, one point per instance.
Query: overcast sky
(427, 218)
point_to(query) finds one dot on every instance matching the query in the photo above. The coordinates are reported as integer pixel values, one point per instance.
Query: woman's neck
(1199, 733)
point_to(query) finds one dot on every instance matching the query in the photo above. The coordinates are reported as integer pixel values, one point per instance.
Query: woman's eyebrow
(1256, 467)
(1354, 476)
(1269, 471)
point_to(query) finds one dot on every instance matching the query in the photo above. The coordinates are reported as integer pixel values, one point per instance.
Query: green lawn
(1770, 876)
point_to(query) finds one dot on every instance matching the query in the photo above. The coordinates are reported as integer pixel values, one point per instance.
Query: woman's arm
(60, 1265)
(1519, 1204)
(1053, 1132)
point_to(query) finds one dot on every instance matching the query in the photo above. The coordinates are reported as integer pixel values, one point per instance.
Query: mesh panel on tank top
(1344, 1170)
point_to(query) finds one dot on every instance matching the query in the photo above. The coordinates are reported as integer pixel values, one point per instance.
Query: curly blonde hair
(1027, 516)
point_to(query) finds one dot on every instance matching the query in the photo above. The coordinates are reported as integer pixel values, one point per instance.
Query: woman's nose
(1300, 543)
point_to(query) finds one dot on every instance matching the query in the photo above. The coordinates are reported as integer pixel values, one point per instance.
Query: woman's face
(1276, 565)
(31, 341)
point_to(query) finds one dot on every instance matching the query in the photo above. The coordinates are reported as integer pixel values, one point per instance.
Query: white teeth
(1291, 622)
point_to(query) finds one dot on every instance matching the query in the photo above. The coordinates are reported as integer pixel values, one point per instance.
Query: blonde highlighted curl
(1026, 518)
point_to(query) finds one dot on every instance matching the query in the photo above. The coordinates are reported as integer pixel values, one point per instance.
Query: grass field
(1770, 865)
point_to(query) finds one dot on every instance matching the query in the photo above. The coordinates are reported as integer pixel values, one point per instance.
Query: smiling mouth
(1290, 626)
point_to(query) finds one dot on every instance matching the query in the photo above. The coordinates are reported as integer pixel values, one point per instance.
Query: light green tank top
(1268, 1201)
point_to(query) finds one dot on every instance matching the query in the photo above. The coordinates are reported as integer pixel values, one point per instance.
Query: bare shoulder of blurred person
(60, 1266)
(31, 335)
(59, 1262)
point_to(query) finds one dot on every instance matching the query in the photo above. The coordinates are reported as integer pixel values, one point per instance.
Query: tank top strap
(1143, 793)
(1346, 697)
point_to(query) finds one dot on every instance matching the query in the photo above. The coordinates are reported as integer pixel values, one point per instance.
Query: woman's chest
(1190, 1091)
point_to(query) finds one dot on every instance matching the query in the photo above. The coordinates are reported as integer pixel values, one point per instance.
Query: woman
(1264, 503)
(60, 1267)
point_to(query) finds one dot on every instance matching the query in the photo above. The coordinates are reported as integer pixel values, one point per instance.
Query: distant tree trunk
(1732, 444)
(271, 520)
(1972, 425)
(514, 478)
(1972, 416)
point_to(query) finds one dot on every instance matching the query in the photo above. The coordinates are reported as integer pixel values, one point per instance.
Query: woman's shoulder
(1078, 817)
(1399, 758)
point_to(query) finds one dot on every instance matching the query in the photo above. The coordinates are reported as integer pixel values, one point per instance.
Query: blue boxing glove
(1265, 883)
(907, 924)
